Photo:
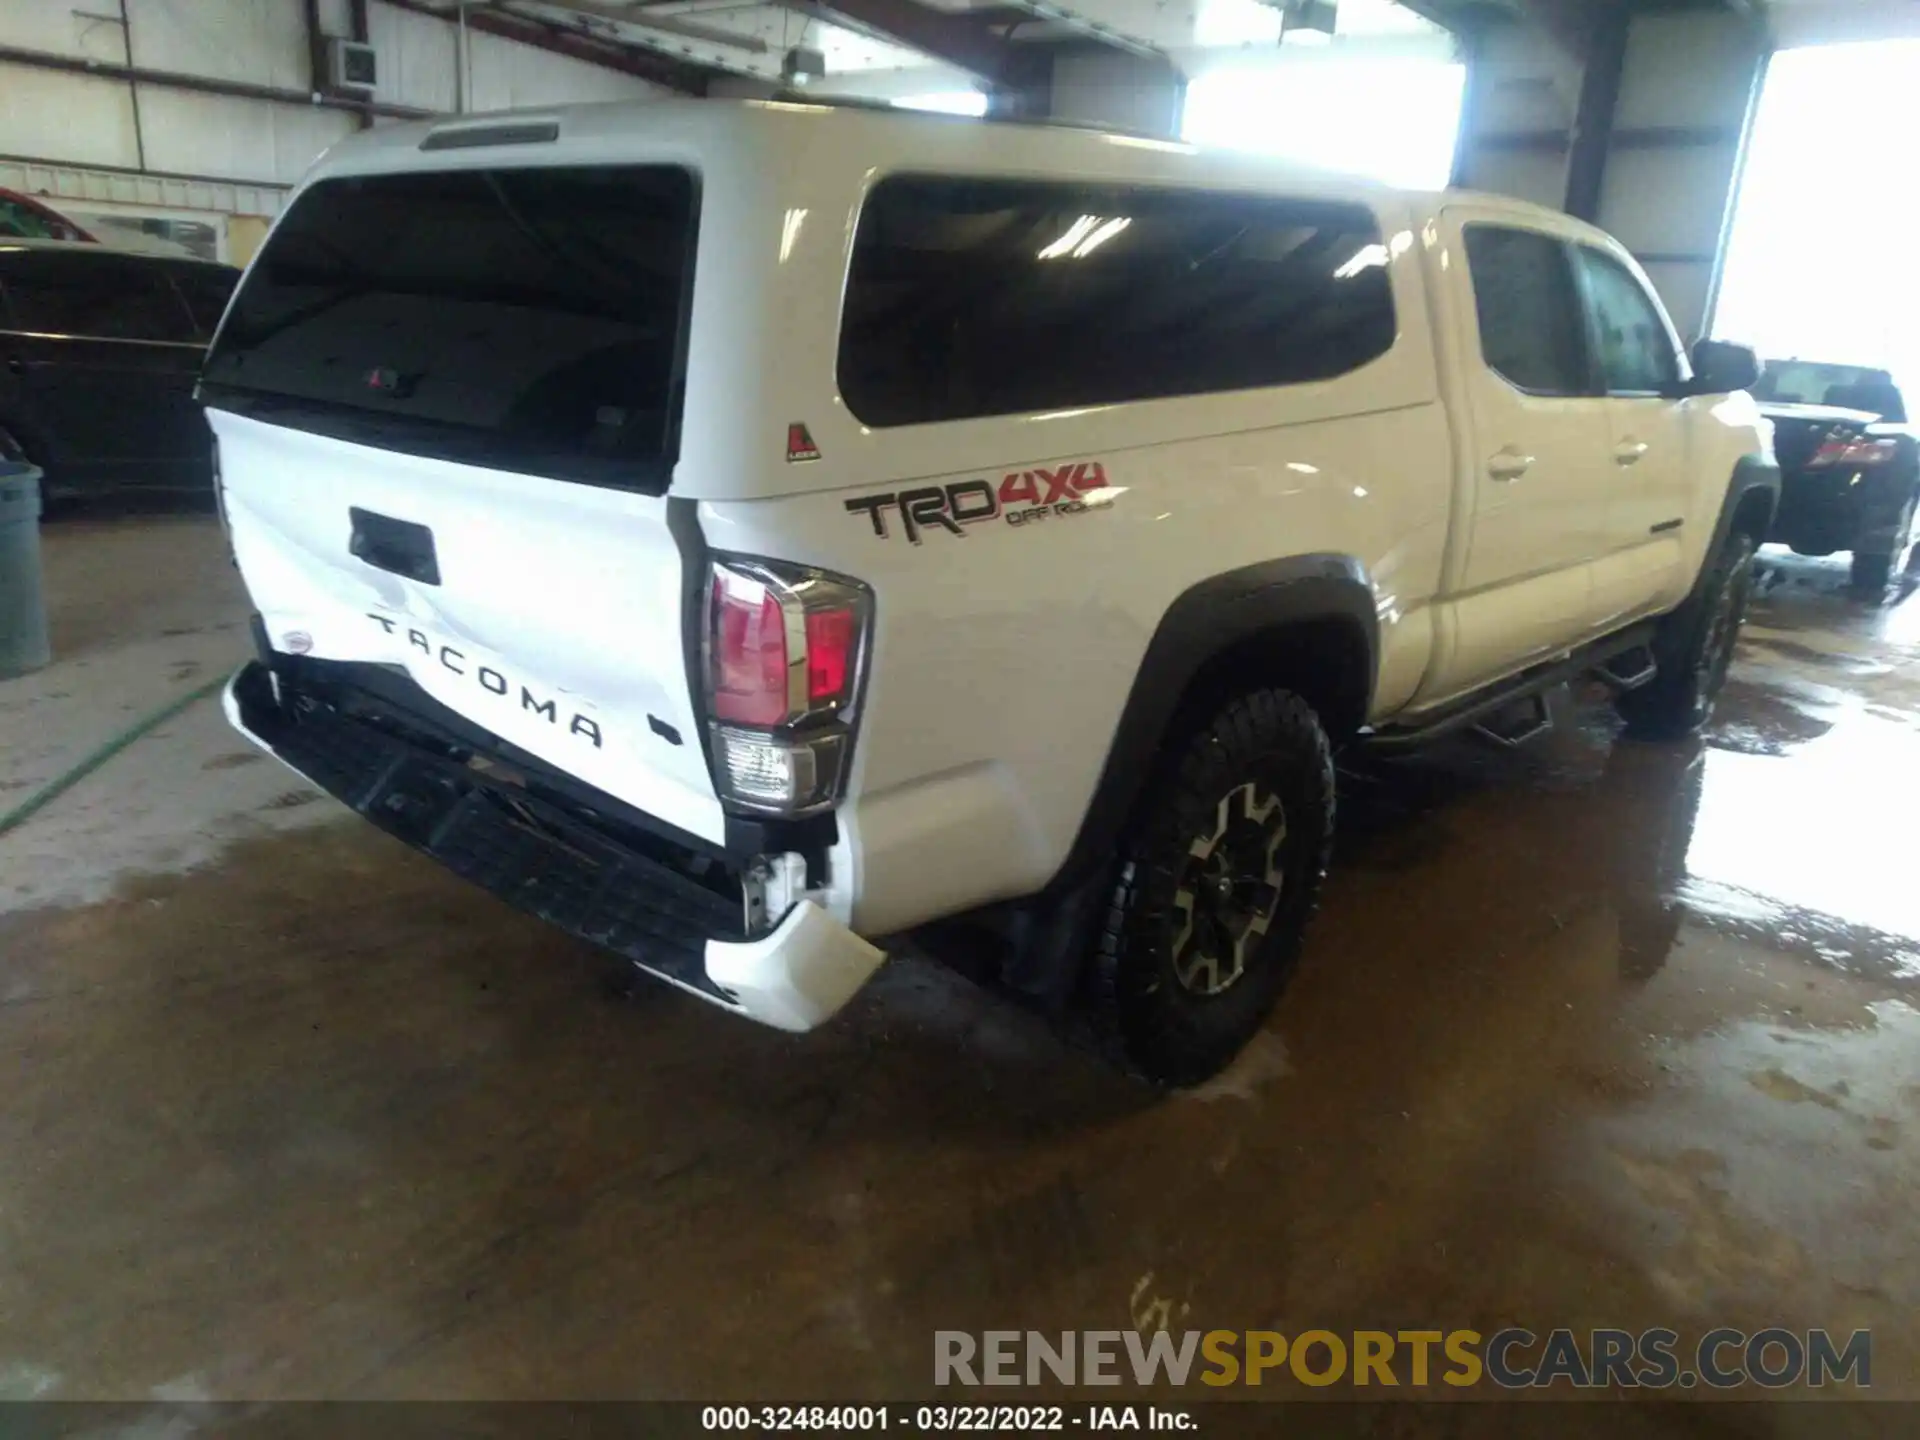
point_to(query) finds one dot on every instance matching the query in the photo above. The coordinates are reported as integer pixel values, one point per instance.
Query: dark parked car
(1849, 465)
(99, 350)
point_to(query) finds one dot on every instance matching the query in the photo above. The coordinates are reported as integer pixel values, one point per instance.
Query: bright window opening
(1393, 120)
(946, 102)
(1816, 267)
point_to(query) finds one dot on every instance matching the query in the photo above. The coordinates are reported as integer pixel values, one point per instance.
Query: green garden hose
(29, 807)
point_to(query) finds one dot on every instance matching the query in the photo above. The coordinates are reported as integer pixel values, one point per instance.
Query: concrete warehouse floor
(1587, 1034)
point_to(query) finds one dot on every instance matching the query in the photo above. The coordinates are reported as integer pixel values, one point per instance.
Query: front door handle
(16, 365)
(1629, 452)
(1509, 464)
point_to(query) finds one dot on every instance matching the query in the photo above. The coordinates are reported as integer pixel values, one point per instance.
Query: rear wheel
(1874, 574)
(1217, 880)
(1694, 651)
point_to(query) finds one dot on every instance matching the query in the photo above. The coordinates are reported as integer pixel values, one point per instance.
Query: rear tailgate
(556, 622)
(447, 410)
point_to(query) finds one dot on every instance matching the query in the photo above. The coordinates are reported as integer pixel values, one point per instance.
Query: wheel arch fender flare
(1205, 626)
(1754, 489)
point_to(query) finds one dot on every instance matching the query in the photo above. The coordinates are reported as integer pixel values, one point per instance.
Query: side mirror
(1720, 368)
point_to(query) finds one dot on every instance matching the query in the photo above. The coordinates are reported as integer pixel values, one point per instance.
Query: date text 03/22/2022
(944, 1419)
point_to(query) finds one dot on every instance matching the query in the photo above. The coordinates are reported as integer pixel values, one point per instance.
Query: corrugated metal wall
(1685, 87)
(417, 67)
(1685, 91)
(77, 122)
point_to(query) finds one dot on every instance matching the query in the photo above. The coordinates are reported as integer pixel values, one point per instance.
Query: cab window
(1531, 331)
(969, 297)
(1631, 340)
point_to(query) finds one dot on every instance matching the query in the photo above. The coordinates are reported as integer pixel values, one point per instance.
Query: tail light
(783, 654)
(1852, 453)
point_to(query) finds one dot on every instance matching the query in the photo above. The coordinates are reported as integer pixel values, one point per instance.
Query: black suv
(99, 350)
(1849, 466)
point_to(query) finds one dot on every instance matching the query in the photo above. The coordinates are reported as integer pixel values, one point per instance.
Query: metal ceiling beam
(663, 70)
(734, 57)
(638, 17)
(937, 34)
(1570, 23)
(1593, 118)
(1082, 24)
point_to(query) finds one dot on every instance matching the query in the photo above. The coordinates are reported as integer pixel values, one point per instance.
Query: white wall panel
(248, 139)
(262, 42)
(1524, 91)
(1667, 200)
(507, 74)
(41, 25)
(1117, 89)
(79, 120)
(417, 67)
(1692, 68)
(415, 57)
(1536, 175)
(1689, 70)
(81, 189)
(1683, 290)
(1524, 82)
(44, 115)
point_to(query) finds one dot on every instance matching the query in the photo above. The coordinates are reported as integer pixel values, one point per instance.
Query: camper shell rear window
(531, 320)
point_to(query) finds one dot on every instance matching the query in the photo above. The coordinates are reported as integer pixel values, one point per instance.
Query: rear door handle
(16, 365)
(1509, 464)
(1629, 452)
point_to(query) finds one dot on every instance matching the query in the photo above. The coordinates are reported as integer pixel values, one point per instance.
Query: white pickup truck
(742, 532)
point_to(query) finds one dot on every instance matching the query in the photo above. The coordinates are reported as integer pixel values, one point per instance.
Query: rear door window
(528, 320)
(1532, 331)
(103, 296)
(971, 297)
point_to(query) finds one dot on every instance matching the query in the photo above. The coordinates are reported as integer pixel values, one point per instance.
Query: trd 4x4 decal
(1023, 497)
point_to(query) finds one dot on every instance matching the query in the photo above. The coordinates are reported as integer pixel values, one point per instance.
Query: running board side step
(1519, 722)
(1484, 706)
(1629, 670)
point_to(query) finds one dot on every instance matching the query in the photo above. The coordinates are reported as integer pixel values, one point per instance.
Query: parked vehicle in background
(731, 532)
(22, 217)
(1849, 466)
(99, 351)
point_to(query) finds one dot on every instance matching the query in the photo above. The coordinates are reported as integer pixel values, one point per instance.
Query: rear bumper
(1826, 510)
(672, 911)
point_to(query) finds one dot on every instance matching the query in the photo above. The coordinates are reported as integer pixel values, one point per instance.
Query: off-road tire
(1694, 650)
(1255, 748)
(1873, 576)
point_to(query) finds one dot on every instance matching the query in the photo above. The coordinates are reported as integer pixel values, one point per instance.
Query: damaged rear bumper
(671, 908)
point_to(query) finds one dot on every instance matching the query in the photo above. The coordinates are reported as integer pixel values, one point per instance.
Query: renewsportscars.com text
(1510, 1359)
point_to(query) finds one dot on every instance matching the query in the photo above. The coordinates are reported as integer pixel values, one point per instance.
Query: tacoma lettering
(494, 683)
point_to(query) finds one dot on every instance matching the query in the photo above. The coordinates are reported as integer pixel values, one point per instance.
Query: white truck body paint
(1000, 659)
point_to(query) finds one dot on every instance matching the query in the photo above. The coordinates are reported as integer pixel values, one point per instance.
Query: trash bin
(23, 607)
